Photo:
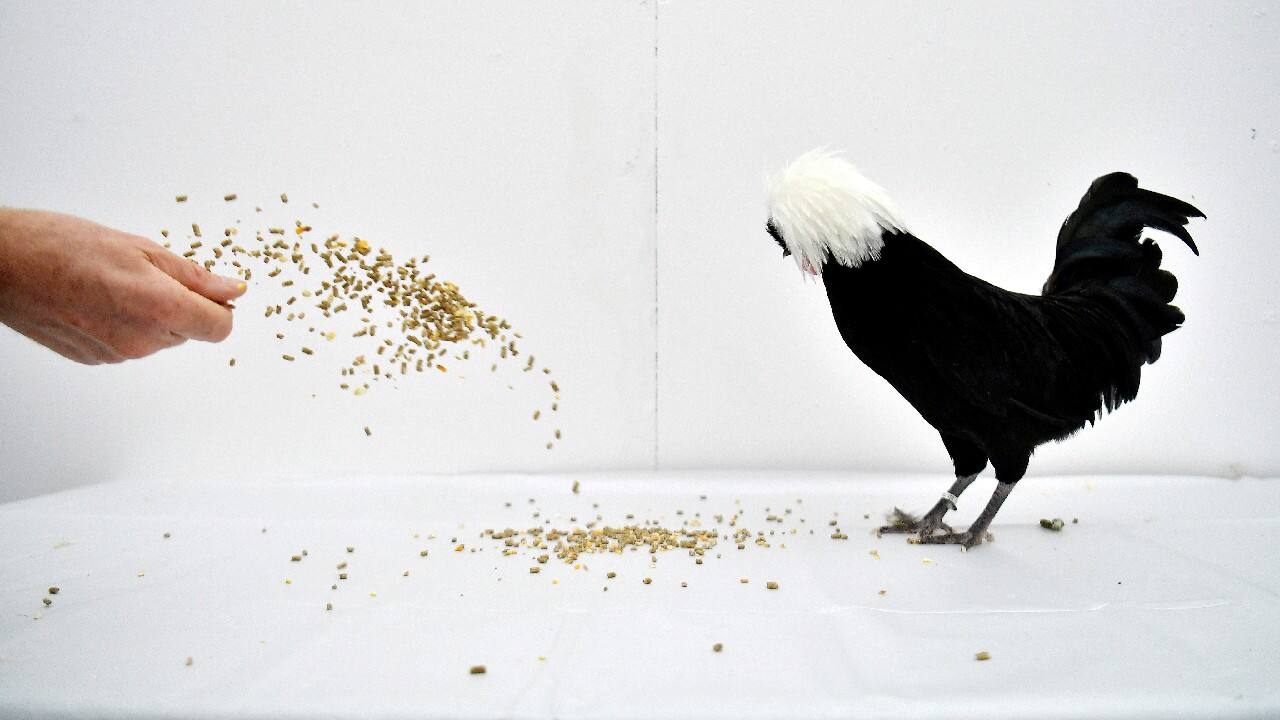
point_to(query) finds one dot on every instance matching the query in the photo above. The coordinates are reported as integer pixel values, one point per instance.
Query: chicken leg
(902, 522)
(977, 532)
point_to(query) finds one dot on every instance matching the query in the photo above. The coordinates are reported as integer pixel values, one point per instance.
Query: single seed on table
(405, 574)
(190, 660)
(576, 486)
(181, 198)
(771, 585)
(47, 602)
(290, 358)
(350, 549)
(54, 590)
(328, 606)
(422, 553)
(542, 558)
(982, 655)
(612, 574)
(295, 558)
(342, 565)
(477, 669)
(535, 570)
(284, 198)
(229, 197)
(744, 581)
(717, 647)
(308, 351)
(195, 229)
(342, 576)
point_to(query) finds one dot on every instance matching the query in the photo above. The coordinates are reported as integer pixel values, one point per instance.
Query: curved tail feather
(1100, 253)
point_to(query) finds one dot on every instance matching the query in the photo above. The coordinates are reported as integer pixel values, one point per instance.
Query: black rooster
(996, 373)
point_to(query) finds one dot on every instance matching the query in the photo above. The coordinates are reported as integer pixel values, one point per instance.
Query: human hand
(97, 295)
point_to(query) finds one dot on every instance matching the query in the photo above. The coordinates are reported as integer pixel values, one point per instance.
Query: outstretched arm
(97, 295)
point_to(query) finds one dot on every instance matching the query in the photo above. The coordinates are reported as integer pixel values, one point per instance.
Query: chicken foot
(977, 532)
(905, 522)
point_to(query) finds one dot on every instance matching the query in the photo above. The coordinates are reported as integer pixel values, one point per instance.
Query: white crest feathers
(824, 208)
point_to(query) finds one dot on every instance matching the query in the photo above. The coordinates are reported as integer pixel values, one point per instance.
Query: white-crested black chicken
(996, 373)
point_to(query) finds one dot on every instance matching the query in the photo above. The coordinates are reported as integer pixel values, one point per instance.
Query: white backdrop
(593, 171)
(985, 123)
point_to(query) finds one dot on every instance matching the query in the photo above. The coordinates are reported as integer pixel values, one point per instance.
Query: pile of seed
(568, 545)
(410, 320)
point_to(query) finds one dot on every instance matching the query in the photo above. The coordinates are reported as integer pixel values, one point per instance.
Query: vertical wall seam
(656, 343)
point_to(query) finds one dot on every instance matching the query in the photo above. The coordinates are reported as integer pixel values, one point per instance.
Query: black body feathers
(998, 373)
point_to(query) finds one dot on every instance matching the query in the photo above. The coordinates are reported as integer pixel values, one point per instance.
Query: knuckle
(130, 348)
(164, 312)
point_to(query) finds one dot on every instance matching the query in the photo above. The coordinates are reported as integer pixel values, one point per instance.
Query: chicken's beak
(808, 267)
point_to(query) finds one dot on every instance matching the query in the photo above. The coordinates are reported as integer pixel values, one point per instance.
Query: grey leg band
(950, 499)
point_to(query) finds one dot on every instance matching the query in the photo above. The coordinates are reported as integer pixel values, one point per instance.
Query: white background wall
(515, 143)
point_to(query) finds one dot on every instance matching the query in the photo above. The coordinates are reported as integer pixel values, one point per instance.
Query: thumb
(217, 288)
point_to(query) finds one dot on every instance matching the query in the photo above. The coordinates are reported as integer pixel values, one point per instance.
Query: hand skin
(97, 295)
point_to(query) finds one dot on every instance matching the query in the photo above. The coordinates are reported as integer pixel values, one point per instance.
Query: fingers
(191, 316)
(196, 305)
(217, 288)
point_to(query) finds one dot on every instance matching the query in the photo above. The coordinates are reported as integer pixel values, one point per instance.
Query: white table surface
(1164, 601)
